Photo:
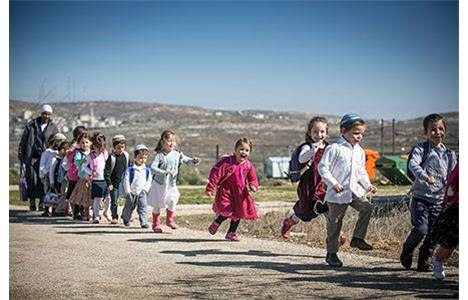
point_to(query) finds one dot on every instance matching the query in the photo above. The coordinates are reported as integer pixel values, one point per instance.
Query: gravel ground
(56, 258)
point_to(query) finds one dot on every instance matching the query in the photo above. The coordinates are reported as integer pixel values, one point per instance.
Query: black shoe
(45, 214)
(333, 260)
(77, 217)
(145, 226)
(360, 244)
(126, 224)
(424, 267)
(32, 208)
(406, 257)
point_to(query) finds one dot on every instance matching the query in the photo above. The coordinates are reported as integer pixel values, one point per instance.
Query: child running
(310, 189)
(165, 168)
(446, 227)
(93, 169)
(116, 165)
(430, 163)
(342, 167)
(136, 183)
(231, 180)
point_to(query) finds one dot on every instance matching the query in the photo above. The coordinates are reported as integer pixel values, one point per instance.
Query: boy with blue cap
(342, 167)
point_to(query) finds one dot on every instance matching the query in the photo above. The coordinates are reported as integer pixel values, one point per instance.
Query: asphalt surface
(56, 258)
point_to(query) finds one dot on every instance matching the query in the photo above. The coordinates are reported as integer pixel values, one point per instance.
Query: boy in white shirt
(342, 167)
(136, 183)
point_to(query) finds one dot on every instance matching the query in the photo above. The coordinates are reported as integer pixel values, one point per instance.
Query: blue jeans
(132, 201)
(114, 196)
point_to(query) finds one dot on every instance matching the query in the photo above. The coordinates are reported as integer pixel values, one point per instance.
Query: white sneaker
(438, 270)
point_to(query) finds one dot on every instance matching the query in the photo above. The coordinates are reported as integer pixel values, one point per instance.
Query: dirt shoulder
(56, 258)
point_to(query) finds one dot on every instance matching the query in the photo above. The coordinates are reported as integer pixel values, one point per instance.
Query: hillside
(200, 130)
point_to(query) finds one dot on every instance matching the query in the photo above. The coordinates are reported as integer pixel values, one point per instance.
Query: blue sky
(381, 59)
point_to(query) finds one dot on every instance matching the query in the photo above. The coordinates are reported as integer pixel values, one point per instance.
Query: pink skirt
(235, 203)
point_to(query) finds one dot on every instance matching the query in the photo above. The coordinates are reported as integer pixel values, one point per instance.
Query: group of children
(332, 177)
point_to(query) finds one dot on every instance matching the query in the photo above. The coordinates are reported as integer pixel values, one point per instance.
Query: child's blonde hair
(310, 125)
(164, 137)
(243, 141)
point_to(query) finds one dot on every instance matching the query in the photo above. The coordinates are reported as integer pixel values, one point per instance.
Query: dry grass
(386, 232)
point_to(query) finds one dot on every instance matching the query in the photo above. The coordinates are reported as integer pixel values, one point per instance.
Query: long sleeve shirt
(141, 181)
(438, 163)
(344, 163)
(44, 163)
(88, 167)
(164, 161)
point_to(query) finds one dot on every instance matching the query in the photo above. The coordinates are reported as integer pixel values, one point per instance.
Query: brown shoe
(115, 221)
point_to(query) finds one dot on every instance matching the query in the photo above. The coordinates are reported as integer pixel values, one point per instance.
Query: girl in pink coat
(231, 180)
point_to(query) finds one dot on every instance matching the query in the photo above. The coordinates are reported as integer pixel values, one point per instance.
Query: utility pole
(382, 153)
(393, 136)
(217, 152)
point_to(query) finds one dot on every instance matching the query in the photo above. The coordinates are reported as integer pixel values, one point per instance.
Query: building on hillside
(277, 167)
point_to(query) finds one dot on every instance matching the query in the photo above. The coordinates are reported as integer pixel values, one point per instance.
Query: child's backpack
(426, 149)
(295, 167)
(131, 177)
(72, 172)
(113, 159)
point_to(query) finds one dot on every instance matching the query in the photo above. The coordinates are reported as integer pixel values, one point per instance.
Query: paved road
(56, 258)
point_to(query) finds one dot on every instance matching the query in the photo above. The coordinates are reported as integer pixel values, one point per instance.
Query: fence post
(217, 152)
(393, 136)
(382, 137)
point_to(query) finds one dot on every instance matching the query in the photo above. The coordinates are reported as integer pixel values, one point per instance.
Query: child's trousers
(335, 215)
(132, 202)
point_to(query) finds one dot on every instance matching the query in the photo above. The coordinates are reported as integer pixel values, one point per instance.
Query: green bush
(190, 176)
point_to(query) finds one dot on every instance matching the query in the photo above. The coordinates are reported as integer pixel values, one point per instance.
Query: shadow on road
(157, 240)
(259, 253)
(30, 217)
(379, 278)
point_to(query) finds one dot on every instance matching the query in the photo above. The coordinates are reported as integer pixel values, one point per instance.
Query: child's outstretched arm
(324, 168)
(189, 160)
(214, 177)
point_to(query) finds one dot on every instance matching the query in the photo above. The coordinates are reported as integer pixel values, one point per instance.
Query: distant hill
(200, 130)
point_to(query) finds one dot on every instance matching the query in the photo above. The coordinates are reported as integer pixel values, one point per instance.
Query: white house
(276, 167)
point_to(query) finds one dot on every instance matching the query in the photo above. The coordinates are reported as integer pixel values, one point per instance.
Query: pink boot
(156, 223)
(232, 236)
(213, 228)
(170, 219)
(288, 224)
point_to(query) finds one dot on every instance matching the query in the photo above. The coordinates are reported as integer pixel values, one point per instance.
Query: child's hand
(430, 180)
(209, 194)
(196, 160)
(373, 189)
(253, 188)
(338, 188)
(110, 187)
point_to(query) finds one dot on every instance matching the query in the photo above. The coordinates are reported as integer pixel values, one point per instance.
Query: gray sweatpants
(335, 215)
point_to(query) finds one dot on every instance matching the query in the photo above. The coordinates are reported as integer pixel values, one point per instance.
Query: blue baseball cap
(349, 119)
